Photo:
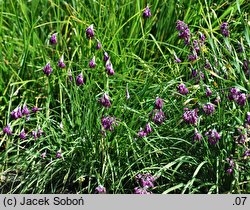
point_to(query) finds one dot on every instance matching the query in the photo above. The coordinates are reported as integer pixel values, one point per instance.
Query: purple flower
(145, 180)
(70, 75)
(90, 31)
(142, 191)
(79, 80)
(213, 136)
(159, 117)
(108, 123)
(36, 109)
(230, 161)
(182, 89)
(192, 57)
(105, 56)
(246, 153)
(159, 103)
(208, 92)
(196, 46)
(148, 128)
(207, 65)
(177, 60)
(233, 94)
(47, 69)
(22, 134)
(40, 132)
(100, 189)
(14, 115)
(61, 64)
(217, 100)
(248, 118)
(34, 134)
(43, 155)
(241, 100)
(58, 154)
(230, 171)
(99, 45)
(109, 68)
(197, 135)
(92, 63)
(53, 39)
(105, 100)
(208, 108)
(224, 29)
(202, 38)
(146, 12)
(25, 110)
(246, 65)
(142, 133)
(180, 25)
(190, 116)
(7, 130)
(19, 112)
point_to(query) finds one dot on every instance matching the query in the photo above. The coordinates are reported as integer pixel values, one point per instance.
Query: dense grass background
(142, 53)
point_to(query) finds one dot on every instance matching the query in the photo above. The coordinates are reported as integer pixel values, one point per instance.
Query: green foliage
(142, 53)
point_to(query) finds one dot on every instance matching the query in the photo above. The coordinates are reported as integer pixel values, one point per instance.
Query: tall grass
(142, 53)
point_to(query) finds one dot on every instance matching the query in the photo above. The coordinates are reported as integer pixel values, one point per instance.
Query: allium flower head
(47, 69)
(197, 135)
(105, 56)
(148, 128)
(145, 180)
(22, 134)
(208, 92)
(224, 29)
(141, 191)
(92, 63)
(25, 110)
(7, 130)
(233, 94)
(79, 80)
(61, 64)
(208, 108)
(142, 133)
(100, 189)
(14, 114)
(99, 45)
(190, 116)
(159, 117)
(180, 25)
(159, 103)
(105, 100)
(241, 99)
(109, 68)
(182, 89)
(146, 12)
(213, 136)
(90, 31)
(53, 39)
(108, 123)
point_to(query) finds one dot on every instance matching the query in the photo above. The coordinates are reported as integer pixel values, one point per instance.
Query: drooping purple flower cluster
(104, 100)
(208, 109)
(145, 131)
(108, 123)
(190, 116)
(197, 135)
(7, 130)
(47, 69)
(90, 31)
(22, 134)
(92, 62)
(158, 117)
(53, 39)
(100, 189)
(146, 13)
(184, 32)
(159, 103)
(213, 136)
(181, 88)
(109, 67)
(224, 29)
(237, 96)
(146, 181)
(79, 80)
(99, 45)
(231, 166)
(60, 63)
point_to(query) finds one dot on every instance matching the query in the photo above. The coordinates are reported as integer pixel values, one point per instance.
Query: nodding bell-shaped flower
(159, 103)
(22, 134)
(92, 63)
(99, 45)
(100, 189)
(182, 89)
(105, 100)
(146, 13)
(109, 68)
(79, 80)
(25, 110)
(47, 69)
(7, 130)
(105, 56)
(61, 64)
(224, 29)
(53, 39)
(90, 31)
(70, 75)
(197, 135)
